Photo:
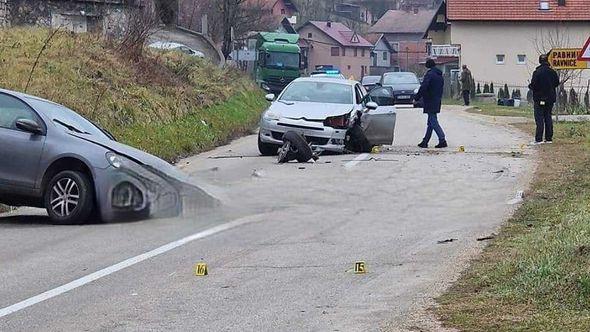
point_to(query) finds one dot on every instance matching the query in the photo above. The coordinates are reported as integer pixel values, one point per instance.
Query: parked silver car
(54, 158)
(324, 110)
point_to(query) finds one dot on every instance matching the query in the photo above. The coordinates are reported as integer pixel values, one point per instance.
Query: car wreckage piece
(295, 147)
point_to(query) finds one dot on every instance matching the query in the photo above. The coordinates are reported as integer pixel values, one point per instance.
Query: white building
(501, 40)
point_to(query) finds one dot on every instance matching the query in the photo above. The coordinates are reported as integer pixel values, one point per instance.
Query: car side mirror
(29, 126)
(270, 97)
(371, 106)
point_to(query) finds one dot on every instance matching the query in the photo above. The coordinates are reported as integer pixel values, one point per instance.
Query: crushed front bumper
(322, 138)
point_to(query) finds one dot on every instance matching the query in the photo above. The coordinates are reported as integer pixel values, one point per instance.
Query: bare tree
(231, 20)
(52, 33)
(552, 37)
(142, 22)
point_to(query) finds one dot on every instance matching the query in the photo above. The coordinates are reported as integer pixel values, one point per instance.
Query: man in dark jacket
(431, 92)
(466, 84)
(543, 84)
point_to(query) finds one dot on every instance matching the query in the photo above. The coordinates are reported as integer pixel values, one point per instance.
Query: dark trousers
(433, 125)
(466, 95)
(544, 122)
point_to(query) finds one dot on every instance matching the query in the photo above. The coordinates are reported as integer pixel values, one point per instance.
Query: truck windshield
(280, 60)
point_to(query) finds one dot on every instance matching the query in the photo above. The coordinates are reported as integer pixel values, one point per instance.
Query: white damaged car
(332, 114)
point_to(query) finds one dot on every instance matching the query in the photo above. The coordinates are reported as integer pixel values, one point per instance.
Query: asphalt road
(281, 251)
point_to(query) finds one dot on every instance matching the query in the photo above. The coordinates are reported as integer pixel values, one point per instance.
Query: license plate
(403, 97)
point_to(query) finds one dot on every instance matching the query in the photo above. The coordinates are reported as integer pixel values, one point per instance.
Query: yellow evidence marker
(461, 148)
(376, 150)
(201, 269)
(360, 268)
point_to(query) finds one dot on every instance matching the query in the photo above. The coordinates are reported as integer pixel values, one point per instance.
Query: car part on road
(69, 198)
(295, 147)
(447, 241)
(356, 140)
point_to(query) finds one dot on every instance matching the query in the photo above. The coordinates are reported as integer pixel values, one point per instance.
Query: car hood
(309, 111)
(404, 87)
(193, 193)
(138, 156)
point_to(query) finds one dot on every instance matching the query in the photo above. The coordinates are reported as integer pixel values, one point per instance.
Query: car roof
(325, 79)
(399, 73)
(22, 95)
(162, 44)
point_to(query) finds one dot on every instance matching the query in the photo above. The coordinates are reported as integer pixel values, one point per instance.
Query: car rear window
(318, 92)
(400, 78)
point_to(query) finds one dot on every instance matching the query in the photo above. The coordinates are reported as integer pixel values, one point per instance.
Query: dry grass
(133, 100)
(536, 275)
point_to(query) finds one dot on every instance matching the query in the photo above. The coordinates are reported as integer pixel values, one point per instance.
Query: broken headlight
(127, 196)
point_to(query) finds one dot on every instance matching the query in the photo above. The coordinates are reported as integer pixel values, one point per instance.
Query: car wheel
(300, 145)
(69, 198)
(267, 149)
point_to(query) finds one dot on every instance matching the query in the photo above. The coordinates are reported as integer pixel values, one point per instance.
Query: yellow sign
(461, 148)
(566, 58)
(201, 269)
(360, 267)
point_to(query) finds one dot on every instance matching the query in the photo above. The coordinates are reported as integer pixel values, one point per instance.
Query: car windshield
(371, 80)
(66, 118)
(280, 60)
(400, 78)
(318, 92)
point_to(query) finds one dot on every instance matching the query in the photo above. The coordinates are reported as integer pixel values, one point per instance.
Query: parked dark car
(370, 82)
(405, 85)
(54, 158)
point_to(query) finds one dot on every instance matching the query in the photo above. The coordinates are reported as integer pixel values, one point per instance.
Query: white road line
(123, 265)
(356, 160)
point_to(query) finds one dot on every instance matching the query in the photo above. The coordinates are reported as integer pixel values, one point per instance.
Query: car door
(379, 124)
(20, 151)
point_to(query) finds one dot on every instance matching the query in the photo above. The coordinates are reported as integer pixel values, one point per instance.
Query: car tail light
(338, 122)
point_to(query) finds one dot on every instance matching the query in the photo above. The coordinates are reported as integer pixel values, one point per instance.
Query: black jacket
(543, 84)
(431, 91)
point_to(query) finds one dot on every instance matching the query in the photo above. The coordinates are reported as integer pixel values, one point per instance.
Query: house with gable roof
(333, 43)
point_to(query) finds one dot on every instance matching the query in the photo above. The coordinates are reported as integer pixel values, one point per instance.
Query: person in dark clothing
(543, 85)
(431, 92)
(466, 84)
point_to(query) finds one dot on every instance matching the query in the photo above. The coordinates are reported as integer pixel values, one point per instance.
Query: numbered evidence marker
(461, 148)
(201, 269)
(360, 267)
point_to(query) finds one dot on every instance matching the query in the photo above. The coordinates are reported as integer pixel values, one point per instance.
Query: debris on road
(295, 147)
(257, 173)
(485, 238)
(498, 172)
(517, 199)
(447, 241)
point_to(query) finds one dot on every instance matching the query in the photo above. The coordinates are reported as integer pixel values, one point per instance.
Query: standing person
(431, 91)
(466, 84)
(543, 84)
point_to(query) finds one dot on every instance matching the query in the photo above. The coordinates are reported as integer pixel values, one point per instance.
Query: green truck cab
(278, 60)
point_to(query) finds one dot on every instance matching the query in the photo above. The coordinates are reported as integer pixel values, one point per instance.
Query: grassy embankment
(535, 275)
(169, 104)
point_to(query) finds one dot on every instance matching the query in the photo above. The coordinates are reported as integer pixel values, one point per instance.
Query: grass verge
(536, 274)
(168, 104)
(495, 110)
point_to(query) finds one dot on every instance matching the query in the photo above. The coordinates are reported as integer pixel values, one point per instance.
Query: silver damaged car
(53, 158)
(325, 110)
